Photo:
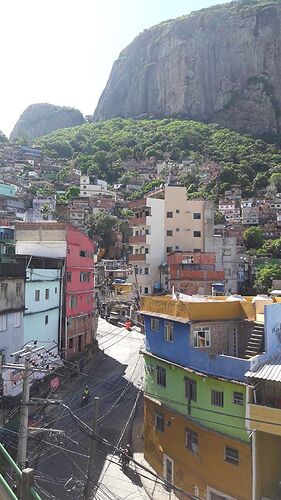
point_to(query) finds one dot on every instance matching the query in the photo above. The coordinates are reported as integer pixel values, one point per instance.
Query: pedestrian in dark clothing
(81, 365)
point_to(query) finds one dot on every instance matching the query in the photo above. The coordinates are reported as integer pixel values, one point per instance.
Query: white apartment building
(165, 221)
(90, 186)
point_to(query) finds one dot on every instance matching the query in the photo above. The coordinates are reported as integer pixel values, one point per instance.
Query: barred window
(231, 455)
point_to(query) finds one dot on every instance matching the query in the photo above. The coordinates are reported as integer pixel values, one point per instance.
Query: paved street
(61, 461)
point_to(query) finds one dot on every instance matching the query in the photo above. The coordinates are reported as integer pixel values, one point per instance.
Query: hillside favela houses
(212, 394)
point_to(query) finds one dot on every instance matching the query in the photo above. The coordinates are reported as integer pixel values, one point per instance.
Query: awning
(268, 370)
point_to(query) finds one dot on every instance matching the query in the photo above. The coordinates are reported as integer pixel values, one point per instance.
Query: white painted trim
(212, 490)
(165, 458)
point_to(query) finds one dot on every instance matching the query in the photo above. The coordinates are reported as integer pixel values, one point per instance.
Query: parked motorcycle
(85, 399)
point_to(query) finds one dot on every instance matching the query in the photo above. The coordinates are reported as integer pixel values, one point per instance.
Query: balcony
(137, 257)
(260, 415)
(136, 240)
(137, 221)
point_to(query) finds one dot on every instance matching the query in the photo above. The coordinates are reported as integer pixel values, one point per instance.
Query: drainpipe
(62, 274)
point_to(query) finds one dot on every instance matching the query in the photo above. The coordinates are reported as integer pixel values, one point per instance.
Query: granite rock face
(221, 64)
(41, 119)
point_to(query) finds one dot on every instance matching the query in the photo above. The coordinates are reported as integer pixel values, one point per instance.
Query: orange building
(202, 462)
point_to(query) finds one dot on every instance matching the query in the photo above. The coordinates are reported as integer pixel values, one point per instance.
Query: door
(168, 469)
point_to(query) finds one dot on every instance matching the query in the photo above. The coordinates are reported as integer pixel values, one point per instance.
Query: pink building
(78, 321)
(79, 292)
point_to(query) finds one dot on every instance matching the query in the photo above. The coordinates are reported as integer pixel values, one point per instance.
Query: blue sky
(61, 51)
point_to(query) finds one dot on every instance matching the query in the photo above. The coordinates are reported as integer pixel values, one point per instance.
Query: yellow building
(202, 462)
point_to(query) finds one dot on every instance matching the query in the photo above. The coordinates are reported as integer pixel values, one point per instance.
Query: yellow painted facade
(205, 469)
(260, 415)
(268, 465)
(196, 311)
(122, 288)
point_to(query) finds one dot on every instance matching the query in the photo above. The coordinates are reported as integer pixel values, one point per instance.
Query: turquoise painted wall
(34, 317)
(213, 417)
(8, 190)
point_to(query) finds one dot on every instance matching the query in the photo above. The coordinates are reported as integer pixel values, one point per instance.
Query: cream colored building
(166, 221)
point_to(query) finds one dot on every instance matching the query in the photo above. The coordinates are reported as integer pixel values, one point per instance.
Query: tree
(272, 248)
(264, 277)
(100, 226)
(275, 180)
(253, 237)
(72, 192)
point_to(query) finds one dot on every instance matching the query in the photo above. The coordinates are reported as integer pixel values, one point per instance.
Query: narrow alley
(60, 460)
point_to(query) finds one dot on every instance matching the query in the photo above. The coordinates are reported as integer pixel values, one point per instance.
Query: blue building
(42, 313)
(218, 338)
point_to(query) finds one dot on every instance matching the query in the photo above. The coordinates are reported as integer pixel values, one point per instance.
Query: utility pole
(27, 369)
(92, 449)
(23, 429)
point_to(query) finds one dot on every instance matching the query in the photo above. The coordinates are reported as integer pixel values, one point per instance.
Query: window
(197, 216)
(177, 211)
(47, 293)
(136, 270)
(4, 290)
(159, 421)
(169, 232)
(17, 319)
(217, 398)
(46, 319)
(84, 277)
(140, 270)
(146, 270)
(70, 343)
(169, 249)
(201, 337)
(147, 250)
(231, 455)
(82, 253)
(197, 234)
(146, 290)
(37, 295)
(18, 289)
(169, 215)
(197, 250)
(226, 252)
(238, 398)
(3, 323)
(154, 324)
(169, 331)
(161, 376)
(72, 301)
(190, 389)
(56, 289)
(191, 440)
(177, 229)
(68, 277)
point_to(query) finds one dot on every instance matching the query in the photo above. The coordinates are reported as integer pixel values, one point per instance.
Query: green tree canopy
(264, 277)
(253, 238)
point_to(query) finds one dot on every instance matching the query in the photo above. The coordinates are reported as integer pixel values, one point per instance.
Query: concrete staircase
(256, 341)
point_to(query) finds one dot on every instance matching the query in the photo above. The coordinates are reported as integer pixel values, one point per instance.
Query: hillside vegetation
(102, 148)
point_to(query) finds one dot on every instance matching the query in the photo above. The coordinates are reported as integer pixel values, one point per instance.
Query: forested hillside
(101, 148)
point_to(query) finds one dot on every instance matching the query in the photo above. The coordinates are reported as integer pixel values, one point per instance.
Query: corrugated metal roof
(269, 370)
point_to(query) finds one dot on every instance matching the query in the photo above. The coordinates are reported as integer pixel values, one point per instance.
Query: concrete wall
(182, 352)
(205, 469)
(228, 420)
(175, 199)
(268, 457)
(11, 340)
(41, 239)
(14, 300)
